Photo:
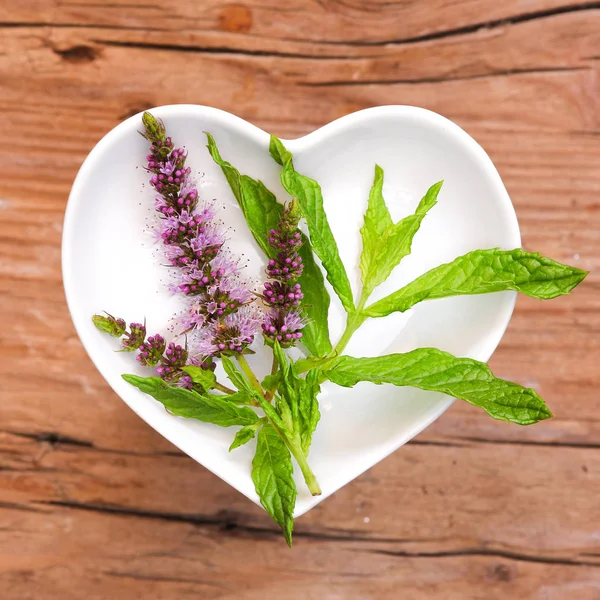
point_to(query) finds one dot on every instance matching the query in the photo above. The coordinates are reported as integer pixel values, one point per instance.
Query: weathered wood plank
(331, 22)
(402, 503)
(72, 554)
(252, 85)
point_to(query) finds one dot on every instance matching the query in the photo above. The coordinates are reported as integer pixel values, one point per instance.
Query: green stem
(353, 322)
(309, 476)
(249, 374)
(223, 388)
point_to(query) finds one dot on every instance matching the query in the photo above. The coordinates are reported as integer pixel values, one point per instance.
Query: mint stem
(309, 477)
(222, 388)
(249, 374)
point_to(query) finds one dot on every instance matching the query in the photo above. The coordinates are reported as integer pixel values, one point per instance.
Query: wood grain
(94, 504)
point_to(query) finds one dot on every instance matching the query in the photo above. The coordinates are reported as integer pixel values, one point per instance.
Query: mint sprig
(282, 411)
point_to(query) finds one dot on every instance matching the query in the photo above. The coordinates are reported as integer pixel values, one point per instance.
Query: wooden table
(95, 505)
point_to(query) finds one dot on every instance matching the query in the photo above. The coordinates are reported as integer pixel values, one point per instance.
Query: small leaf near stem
(274, 368)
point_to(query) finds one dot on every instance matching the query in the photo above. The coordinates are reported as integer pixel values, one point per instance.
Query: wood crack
(58, 439)
(52, 438)
(542, 444)
(415, 442)
(141, 577)
(474, 28)
(34, 24)
(425, 80)
(227, 523)
(549, 560)
(219, 50)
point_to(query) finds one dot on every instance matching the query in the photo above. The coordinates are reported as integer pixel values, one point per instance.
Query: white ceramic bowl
(111, 264)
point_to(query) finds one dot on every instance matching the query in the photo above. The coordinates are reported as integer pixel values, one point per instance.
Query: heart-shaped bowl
(111, 263)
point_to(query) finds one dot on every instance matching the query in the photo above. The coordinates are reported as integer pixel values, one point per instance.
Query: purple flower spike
(134, 338)
(284, 295)
(230, 336)
(109, 324)
(283, 326)
(151, 351)
(193, 243)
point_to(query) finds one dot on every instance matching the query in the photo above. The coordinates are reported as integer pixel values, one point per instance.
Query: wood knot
(501, 572)
(235, 18)
(78, 54)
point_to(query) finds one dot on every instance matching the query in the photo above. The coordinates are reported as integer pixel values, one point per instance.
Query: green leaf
(434, 370)
(245, 434)
(205, 378)
(278, 152)
(272, 414)
(273, 477)
(262, 212)
(385, 244)
(243, 398)
(315, 304)
(482, 272)
(236, 376)
(377, 224)
(308, 193)
(309, 408)
(271, 382)
(190, 404)
(260, 207)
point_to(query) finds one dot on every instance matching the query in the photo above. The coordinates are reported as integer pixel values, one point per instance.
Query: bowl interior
(111, 263)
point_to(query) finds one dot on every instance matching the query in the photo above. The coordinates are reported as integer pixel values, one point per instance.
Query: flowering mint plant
(224, 314)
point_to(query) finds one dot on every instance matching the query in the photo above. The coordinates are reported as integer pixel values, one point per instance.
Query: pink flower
(194, 243)
(232, 334)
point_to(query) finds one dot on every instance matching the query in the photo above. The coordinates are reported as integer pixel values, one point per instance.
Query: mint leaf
(434, 370)
(271, 382)
(309, 408)
(260, 207)
(315, 304)
(308, 193)
(377, 223)
(205, 378)
(236, 398)
(385, 244)
(262, 212)
(274, 415)
(190, 404)
(482, 272)
(236, 376)
(245, 434)
(273, 477)
(278, 152)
